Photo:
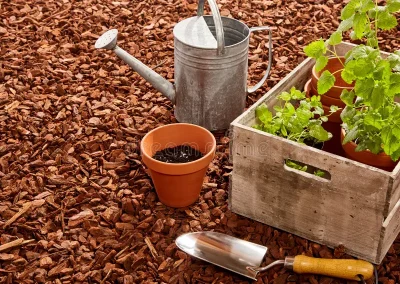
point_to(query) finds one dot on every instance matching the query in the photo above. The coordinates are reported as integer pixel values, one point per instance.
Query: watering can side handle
(259, 84)
(219, 27)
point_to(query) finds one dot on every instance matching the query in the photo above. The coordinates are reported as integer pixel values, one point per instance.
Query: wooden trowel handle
(340, 268)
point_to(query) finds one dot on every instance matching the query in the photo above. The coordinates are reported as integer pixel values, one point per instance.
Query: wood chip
(74, 190)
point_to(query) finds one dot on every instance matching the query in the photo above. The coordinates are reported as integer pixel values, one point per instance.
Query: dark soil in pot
(178, 154)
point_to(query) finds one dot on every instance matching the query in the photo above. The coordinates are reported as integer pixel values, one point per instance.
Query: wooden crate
(358, 207)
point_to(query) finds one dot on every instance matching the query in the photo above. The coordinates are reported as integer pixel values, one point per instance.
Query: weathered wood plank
(390, 230)
(393, 194)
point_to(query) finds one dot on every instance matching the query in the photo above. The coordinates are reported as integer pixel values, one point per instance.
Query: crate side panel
(394, 192)
(391, 229)
(346, 210)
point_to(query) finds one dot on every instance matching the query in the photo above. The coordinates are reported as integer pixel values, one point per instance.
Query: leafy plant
(302, 124)
(371, 116)
(303, 168)
(299, 124)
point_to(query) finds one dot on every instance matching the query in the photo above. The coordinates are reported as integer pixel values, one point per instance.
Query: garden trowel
(245, 257)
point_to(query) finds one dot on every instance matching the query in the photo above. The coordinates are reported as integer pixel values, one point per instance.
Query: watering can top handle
(219, 28)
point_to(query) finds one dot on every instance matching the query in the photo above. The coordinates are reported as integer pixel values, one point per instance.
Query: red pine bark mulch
(76, 204)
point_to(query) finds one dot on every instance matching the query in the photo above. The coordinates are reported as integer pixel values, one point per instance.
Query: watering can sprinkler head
(108, 40)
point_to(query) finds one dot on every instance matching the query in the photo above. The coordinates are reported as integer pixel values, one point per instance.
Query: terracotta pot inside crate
(381, 160)
(335, 117)
(333, 125)
(178, 185)
(334, 64)
(327, 100)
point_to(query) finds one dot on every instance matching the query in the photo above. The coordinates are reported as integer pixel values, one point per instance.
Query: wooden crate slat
(390, 230)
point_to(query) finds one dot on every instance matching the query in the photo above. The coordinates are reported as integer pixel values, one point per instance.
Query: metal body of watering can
(210, 81)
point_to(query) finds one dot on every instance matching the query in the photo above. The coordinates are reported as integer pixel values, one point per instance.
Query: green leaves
(394, 60)
(285, 96)
(319, 133)
(363, 67)
(393, 6)
(363, 88)
(325, 82)
(335, 38)
(350, 135)
(391, 141)
(294, 165)
(377, 96)
(384, 17)
(346, 25)
(349, 9)
(374, 119)
(297, 124)
(347, 76)
(263, 114)
(321, 62)
(347, 97)
(394, 88)
(386, 21)
(359, 24)
(348, 114)
(367, 5)
(315, 49)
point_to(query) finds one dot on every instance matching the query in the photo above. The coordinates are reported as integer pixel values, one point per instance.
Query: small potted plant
(370, 116)
(178, 156)
(302, 124)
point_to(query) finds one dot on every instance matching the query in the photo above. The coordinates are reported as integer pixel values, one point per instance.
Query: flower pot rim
(325, 95)
(317, 75)
(333, 118)
(178, 165)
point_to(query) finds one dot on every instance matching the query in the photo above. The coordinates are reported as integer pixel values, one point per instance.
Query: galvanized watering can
(210, 75)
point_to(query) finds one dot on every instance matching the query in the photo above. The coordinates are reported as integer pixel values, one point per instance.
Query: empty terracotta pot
(334, 64)
(381, 160)
(178, 185)
(335, 117)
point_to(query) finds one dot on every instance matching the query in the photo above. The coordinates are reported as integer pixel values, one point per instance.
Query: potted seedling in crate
(302, 124)
(371, 117)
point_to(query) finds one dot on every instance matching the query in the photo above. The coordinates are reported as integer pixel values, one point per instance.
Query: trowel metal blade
(223, 250)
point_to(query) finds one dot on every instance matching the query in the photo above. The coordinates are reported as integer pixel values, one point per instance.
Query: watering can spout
(109, 41)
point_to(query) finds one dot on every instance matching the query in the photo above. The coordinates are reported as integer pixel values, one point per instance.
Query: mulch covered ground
(76, 204)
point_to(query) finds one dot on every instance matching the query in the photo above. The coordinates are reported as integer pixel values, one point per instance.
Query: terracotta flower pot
(178, 185)
(333, 65)
(335, 117)
(327, 100)
(381, 160)
(332, 125)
